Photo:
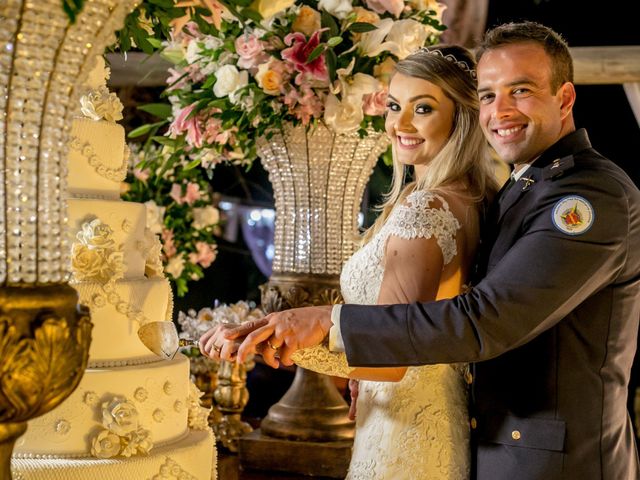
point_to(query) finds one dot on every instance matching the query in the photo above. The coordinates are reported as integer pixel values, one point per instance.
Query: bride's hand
(214, 345)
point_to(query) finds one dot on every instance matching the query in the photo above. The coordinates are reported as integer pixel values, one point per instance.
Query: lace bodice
(362, 274)
(416, 428)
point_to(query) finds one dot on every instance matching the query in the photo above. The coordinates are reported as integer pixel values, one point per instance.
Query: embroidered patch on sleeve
(573, 215)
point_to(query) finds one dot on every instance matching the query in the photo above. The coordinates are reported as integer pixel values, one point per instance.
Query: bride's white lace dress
(417, 428)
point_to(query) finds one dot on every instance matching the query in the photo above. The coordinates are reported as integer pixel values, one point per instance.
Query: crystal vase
(318, 180)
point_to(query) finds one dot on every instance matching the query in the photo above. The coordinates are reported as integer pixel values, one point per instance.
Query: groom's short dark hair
(531, 32)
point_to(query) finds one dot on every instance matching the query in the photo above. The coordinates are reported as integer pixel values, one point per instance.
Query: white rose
(203, 217)
(175, 266)
(228, 80)
(155, 216)
(406, 36)
(343, 116)
(337, 8)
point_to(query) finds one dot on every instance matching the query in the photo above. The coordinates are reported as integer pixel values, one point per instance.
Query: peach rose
(268, 79)
(307, 21)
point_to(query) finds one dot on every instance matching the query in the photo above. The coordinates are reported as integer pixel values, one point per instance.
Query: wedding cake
(134, 415)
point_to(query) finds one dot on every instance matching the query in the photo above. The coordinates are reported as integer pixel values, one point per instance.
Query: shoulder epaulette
(557, 167)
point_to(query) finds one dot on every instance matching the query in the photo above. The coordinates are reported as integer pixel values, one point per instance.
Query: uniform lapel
(527, 182)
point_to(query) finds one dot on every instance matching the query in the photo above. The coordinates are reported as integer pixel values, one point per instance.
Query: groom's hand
(284, 333)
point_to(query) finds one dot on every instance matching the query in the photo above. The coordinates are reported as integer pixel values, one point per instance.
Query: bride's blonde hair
(465, 156)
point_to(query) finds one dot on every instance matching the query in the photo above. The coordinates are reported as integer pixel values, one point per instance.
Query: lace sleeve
(321, 360)
(417, 218)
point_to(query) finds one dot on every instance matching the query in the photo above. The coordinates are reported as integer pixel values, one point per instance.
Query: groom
(551, 322)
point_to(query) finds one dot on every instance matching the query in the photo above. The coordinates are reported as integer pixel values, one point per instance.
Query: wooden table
(229, 469)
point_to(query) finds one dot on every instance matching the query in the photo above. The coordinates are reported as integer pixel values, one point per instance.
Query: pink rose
(394, 7)
(375, 103)
(298, 54)
(205, 254)
(251, 51)
(193, 193)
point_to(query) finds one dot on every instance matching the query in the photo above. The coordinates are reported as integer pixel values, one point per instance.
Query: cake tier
(127, 220)
(97, 159)
(118, 310)
(158, 391)
(190, 458)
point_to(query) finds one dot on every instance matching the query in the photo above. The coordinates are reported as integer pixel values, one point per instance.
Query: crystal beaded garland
(318, 180)
(43, 62)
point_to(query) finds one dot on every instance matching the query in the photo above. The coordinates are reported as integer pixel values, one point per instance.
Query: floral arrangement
(242, 68)
(194, 323)
(121, 433)
(178, 201)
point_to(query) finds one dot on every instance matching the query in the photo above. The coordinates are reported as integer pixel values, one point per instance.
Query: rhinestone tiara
(450, 57)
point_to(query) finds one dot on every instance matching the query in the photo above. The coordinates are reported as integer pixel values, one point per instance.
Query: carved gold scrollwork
(44, 348)
(294, 291)
(38, 373)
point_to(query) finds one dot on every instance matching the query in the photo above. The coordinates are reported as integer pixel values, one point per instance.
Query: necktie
(506, 187)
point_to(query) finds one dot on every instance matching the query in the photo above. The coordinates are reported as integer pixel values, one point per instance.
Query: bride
(412, 423)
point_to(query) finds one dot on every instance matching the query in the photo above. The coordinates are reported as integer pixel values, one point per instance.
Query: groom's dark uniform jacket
(550, 325)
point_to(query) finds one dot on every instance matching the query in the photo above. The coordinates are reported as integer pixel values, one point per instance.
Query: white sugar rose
(85, 263)
(137, 442)
(153, 255)
(96, 235)
(203, 217)
(197, 414)
(337, 8)
(105, 445)
(406, 36)
(96, 265)
(101, 104)
(155, 216)
(119, 416)
(228, 80)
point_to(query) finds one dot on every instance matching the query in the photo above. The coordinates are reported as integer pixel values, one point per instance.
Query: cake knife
(162, 339)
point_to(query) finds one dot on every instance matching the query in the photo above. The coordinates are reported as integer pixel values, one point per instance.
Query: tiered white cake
(133, 416)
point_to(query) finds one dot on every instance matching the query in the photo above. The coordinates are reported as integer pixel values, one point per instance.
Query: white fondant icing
(117, 315)
(194, 453)
(40, 437)
(97, 161)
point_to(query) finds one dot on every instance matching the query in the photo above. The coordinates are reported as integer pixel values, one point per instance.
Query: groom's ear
(567, 94)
